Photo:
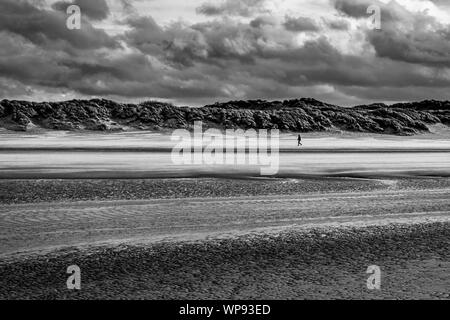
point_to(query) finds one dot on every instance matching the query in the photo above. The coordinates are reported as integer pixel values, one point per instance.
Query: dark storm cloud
(404, 36)
(16, 88)
(337, 24)
(127, 6)
(262, 21)
(427, 48)
(244, 50)
(300, 24)
(46, 27)
(355, 8)
(359, 9)
(93, 9)
(423, 41)
(212, 42)
(178, 44)
(30, 64)
(38, 50)
(238, 51)
(243, 8)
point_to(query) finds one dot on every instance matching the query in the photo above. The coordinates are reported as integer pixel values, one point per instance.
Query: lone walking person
(299, 139)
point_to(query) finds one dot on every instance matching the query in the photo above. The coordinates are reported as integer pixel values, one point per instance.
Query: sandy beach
(312, 264)
(309, 244)
(310, 233)
(224, 150)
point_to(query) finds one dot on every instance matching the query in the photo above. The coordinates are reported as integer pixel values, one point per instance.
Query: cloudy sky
(195, 52)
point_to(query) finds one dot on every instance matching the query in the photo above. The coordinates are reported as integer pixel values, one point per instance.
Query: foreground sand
(318, 263)
(244, 239)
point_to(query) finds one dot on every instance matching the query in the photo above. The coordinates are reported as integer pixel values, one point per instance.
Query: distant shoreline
(281, 150)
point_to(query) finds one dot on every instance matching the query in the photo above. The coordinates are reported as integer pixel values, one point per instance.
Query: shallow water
(144, 155)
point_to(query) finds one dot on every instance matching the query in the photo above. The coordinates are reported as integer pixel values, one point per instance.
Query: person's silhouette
(299, 139)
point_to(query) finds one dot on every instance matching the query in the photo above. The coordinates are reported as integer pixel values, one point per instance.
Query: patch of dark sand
(34, 191)
(314, 264)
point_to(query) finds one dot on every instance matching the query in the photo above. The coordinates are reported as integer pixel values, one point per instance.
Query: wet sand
(221, 233)
(314, 264)
(69, 190)
(138, 155)
(312, 241)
